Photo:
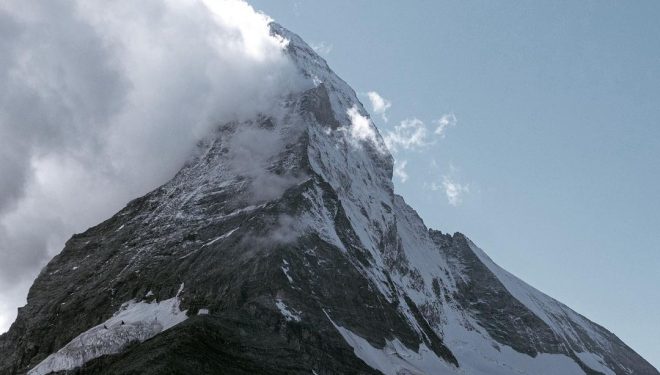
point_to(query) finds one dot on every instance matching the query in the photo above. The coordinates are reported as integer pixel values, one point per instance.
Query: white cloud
(454, 190)
(322, 48)
(409, 134)
(250, 151)
(443, 123)
(413, 134)
(400, 170)
(379, 105)
(101, 102)
(361, 128)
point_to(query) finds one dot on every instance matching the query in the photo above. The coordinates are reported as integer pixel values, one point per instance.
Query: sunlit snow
(135, 321)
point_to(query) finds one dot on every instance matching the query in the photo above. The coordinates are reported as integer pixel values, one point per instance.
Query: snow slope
(135, 321)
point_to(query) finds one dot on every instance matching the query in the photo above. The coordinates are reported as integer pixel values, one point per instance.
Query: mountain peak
(281, 248)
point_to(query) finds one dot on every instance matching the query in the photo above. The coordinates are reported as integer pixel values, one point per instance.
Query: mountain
(281, 248)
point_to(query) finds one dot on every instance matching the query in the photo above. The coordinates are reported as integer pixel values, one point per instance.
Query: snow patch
(220, 238)
(285, 269)
(286, 313)
(395, 358)
(203, 312)
(478, 353)
(135, 321)
(595, 362)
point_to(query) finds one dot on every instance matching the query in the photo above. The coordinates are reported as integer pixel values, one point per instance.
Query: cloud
(412, 134)
(250, 152)
(101, 102)
(283, 230)
(443, 123)
(400, 170)
(379, 105)
(322, 48)
(361, 129)
(454, 190)
(409, 134)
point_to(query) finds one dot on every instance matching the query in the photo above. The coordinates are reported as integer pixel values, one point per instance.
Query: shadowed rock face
(511, 323)
(505, 318)
(269, 258)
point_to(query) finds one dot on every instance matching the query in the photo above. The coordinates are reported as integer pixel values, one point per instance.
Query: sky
(533, 128)
(552, 164)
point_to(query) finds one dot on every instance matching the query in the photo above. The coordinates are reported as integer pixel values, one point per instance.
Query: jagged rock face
(479, 291)
(292, 257)
(510, 322)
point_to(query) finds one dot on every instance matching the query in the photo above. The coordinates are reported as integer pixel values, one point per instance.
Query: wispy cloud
(400, 170)
(454, 190)
(443, 123)
(412, 134)
(322, 48)
(409, 134)
(248, 154)
(379, 105)
(450, 185)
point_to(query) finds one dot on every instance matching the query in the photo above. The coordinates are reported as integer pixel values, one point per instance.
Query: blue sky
(555, 154)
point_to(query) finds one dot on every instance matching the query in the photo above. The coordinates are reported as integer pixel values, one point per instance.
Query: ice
(135, 321)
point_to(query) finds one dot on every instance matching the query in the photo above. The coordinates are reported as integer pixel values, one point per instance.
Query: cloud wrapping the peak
(249, 151)
(101, 102)
(361, 128)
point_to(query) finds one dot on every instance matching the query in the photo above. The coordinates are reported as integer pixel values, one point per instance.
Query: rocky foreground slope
(281, 248)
